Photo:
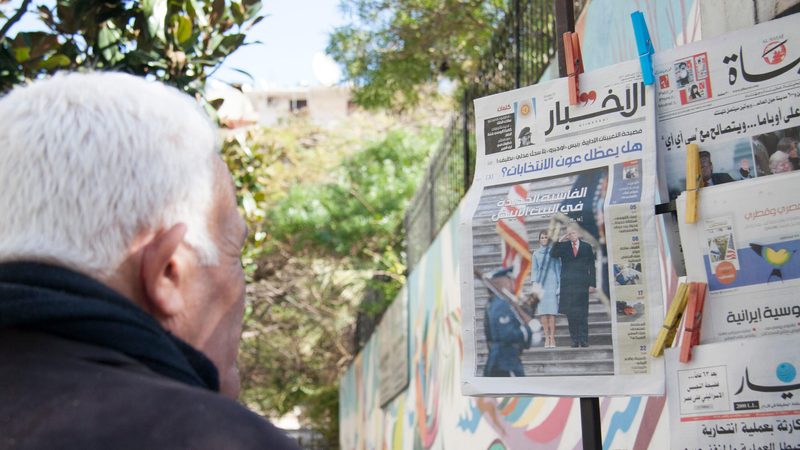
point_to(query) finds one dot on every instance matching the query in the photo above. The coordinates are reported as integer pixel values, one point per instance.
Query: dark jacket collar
(54, 300)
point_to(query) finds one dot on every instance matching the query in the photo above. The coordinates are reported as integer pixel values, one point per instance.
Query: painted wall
(431, 413)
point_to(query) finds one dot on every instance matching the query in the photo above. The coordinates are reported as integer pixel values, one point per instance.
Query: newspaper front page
(745, 245)
(560, 279)
(751, 401)
(738, 98)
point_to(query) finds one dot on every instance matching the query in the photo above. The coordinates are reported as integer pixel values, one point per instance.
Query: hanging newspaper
(745, 245)
(751, 401)
(738, 98)
(560, 273)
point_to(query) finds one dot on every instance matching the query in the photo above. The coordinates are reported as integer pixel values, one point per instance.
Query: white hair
(777, 158)
(90, 160)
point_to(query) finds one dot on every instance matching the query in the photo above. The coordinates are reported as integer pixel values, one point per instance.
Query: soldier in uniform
(507, 330)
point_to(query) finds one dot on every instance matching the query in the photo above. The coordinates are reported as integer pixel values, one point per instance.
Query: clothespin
(644, 46)
(666, 335)
(693, 178)
(694, 318)
(574, 60)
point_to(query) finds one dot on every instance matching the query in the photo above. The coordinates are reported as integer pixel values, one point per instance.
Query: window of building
(297, 105)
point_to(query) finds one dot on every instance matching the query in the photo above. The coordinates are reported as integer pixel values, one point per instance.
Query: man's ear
(162, 271)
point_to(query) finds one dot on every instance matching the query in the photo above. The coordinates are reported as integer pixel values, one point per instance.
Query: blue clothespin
(645, 47)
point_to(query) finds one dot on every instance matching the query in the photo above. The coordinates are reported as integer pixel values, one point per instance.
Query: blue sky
(291, 33)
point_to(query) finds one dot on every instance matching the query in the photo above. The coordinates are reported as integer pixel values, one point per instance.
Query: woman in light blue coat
(547, 283)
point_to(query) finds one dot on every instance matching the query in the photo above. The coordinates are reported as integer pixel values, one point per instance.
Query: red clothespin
(574, 60)
(694, 319)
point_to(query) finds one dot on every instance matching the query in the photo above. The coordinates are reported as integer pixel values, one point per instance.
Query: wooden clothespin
(693, 178)
(694, 319)
(666, 335)
(644, 46)
(574, 60)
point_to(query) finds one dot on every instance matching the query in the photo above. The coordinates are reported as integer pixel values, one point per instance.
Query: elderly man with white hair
(121, 286)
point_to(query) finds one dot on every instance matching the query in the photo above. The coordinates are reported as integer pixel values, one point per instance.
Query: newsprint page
(561, 291)
(738, 98)
(745, 246)
(749, 401)
(746, 123)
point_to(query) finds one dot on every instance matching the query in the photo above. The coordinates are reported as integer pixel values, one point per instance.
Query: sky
(291, 34)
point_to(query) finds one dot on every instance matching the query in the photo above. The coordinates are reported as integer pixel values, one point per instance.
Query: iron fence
(520, 51)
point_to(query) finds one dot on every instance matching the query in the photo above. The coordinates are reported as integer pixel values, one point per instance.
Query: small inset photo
(627, 274)
(720, 242)
(692, 79)
(629, 311)
(683, 73)
(777, 151)
(695, 92)
(631, 170)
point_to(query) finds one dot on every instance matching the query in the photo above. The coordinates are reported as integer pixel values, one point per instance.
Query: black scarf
(61, 302)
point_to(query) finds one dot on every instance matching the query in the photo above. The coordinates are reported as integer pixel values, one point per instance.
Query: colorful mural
(431, 413)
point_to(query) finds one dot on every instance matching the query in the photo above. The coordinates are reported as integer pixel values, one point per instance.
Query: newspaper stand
(525, 184)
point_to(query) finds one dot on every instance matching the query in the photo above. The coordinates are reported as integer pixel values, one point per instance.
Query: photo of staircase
(598, 358)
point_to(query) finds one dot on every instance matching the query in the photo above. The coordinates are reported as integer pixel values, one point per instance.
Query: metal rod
(565, 21)
(590, 423)
(517, 45)
(590, 406)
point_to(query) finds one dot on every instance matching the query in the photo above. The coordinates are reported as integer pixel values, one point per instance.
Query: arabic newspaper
(751, 401)
(563, 201)
(738, 98)
(745, 245)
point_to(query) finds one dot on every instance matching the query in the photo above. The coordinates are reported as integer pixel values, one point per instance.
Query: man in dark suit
(577, 281)
(707, 170)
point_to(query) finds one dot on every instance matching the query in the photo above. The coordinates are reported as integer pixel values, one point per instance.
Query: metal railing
(520, 52)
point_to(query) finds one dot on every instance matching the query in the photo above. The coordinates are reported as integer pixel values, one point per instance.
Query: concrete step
(572, 368)
(598, 352)
(596, 318)
(566, 368)
(592, 360)
(562, 341)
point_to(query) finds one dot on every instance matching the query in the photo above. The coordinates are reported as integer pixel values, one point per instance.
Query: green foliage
(177, 41)
(359, 213)
(323, 409)
(392, 47)
(325, 210)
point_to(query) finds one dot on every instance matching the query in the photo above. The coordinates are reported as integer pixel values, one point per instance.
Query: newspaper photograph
(745, 245)
(738, 98)
(751, 401)
(559, 267)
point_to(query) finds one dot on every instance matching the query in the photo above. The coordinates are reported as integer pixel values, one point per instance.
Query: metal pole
(590, 423)
(517, 45)
(565, 21)
(590, 406)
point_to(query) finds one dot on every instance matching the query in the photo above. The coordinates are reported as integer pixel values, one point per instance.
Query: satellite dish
(325, 69)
